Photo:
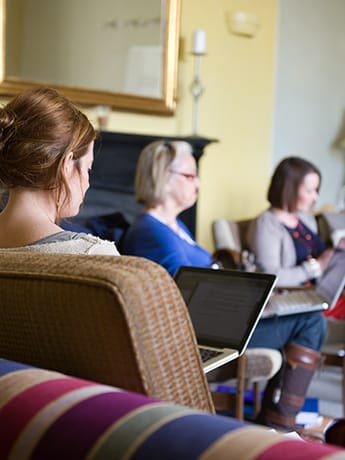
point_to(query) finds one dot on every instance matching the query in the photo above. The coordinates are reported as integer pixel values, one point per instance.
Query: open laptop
(225, 307)
(321, 297)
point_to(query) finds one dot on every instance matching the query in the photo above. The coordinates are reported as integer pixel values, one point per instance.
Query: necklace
(303, 238)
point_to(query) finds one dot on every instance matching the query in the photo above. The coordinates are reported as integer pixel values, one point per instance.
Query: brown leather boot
(285, 392)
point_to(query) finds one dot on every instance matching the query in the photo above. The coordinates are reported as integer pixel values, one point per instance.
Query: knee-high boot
(285, 392)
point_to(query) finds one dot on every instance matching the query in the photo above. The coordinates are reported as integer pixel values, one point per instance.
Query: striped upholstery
(48, 415)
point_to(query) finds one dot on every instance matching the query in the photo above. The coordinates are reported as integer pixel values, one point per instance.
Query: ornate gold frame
(124, 102)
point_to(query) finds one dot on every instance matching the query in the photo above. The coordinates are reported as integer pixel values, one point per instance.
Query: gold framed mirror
(40, 40)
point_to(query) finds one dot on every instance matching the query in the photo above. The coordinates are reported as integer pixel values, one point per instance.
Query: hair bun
(7, 123)
(7, 118)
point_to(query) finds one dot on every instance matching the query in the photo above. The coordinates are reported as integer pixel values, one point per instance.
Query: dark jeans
(306, 329)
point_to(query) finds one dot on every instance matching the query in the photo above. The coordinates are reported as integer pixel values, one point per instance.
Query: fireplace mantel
(112, 177)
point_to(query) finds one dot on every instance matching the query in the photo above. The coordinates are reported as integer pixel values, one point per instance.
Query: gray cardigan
(274, 249)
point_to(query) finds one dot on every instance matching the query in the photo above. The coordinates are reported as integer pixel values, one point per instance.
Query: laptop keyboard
(297, 298)
(207, 354)
(294, 301)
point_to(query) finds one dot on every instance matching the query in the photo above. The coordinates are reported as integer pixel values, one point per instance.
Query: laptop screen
(224, 305)
(332, 280)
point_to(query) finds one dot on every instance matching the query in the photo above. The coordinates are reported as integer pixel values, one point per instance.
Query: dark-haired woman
(285, 241)
(284, 238)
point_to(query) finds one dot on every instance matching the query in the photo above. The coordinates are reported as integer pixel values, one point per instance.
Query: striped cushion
(47, 415)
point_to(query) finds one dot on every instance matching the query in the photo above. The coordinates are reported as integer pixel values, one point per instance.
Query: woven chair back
(117, 320)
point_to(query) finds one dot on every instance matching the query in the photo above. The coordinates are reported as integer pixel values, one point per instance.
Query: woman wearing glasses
(166, 184)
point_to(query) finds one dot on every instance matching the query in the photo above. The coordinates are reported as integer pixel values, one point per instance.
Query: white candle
(199, 42)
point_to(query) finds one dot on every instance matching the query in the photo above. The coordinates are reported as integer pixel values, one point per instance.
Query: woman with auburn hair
(46, 153)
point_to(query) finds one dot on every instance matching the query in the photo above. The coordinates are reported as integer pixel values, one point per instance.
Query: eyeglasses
(187, 176)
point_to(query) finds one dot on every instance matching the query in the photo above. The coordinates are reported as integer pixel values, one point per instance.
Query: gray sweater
(274, 249)
(70, 243)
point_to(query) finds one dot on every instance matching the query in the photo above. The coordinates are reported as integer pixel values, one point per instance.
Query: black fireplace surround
(112, 177)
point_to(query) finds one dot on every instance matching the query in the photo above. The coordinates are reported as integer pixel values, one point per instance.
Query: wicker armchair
(116, 320)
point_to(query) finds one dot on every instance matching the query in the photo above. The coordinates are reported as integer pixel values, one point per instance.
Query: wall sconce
(242, 23)
(197, 87)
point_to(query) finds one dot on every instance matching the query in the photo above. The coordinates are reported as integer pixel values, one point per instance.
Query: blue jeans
(306, 329)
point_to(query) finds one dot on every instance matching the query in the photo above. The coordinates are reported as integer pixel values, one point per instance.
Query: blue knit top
(150, 238)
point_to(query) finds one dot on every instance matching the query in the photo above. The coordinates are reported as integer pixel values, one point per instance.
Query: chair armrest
(228, 258)
(335, 332)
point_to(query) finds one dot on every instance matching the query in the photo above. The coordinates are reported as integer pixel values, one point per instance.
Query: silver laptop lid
(332, 280)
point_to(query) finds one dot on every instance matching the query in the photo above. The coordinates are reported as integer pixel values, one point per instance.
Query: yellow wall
(236, 108)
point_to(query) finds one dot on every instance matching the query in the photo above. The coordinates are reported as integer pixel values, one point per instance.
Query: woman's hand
(324, 259)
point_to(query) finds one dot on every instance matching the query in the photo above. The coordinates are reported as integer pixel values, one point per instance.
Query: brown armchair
(116, 320)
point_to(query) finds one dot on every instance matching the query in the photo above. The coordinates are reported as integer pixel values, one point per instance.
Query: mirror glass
(121, 53)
